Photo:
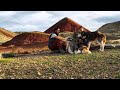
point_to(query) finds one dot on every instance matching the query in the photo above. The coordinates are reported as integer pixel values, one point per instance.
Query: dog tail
(101, 37)
(104, 40)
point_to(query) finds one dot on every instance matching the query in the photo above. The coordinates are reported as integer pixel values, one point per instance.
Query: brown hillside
(27, 38)
(111, 30)
(6, 35)
(66, 24)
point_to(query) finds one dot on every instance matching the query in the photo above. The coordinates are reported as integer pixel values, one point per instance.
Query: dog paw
(90, 52)
(101, 50)
(77, 52)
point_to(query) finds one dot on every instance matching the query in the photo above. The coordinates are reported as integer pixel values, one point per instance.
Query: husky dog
(94, 36)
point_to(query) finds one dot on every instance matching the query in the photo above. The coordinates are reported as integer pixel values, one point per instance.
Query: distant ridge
(112, 30)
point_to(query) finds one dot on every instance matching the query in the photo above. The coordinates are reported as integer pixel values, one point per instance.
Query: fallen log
(107, 46)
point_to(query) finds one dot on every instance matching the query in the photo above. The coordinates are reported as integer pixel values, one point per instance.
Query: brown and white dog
(95, 36)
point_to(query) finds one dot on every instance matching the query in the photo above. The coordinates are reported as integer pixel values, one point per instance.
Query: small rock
(50, 77)
(1, 78)
(71, 78)
(39, 73)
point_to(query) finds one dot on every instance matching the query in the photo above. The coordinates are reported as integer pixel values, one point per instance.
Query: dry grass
(98, 65)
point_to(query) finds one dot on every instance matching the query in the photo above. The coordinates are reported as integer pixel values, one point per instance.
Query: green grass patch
(6, 60)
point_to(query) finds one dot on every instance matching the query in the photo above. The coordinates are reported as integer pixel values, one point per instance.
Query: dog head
(69, 38)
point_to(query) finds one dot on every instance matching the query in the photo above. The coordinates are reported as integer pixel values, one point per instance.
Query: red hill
(28, 38)
(66, 24)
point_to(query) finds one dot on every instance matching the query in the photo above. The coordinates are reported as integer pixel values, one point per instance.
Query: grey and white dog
(73, 48)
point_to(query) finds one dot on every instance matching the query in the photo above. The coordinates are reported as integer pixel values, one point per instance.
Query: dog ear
(98, 32)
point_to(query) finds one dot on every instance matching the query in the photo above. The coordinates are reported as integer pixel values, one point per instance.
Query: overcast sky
(42, 20)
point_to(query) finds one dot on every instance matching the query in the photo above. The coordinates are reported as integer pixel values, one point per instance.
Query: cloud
(92, 20)
(27, 28)
(42, 20)
(108, 19)
(7, 13)
(35, 18)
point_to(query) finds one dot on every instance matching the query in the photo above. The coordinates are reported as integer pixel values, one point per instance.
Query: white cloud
(27, 28)
(84, 18)
(34, 18)
(42, 20)
(7, 13)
